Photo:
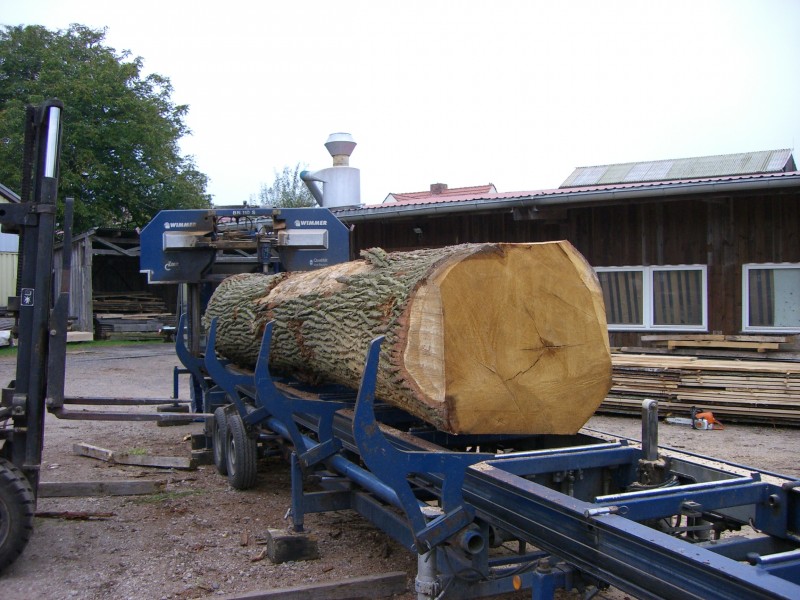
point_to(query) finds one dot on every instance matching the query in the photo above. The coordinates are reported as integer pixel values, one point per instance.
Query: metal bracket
(188, 360)
(223, 377)
(392, 466)
(283, 408)
(19, 402)
(13, 215)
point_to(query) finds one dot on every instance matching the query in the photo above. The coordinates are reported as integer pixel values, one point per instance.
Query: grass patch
(137, 452)
(7, 351)
(166, 496)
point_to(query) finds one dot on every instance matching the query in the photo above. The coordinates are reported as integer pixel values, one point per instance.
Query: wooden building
(699, 245)
(105, 282)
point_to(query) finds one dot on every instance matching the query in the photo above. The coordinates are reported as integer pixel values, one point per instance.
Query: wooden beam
(283, 546)
(66, 489)
(80, 336)
(760, 346)
(118, 249)
(140, 460)
(70, 515)
(686, 337)
(93, 452)
(714, 337)
(371, 586)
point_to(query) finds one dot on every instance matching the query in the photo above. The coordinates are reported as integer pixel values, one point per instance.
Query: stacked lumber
(480, 338)
(759, 343)
(132, 327)
(128, 303)
(735, 390)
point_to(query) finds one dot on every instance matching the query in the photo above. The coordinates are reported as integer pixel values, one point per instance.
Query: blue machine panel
(181, 246)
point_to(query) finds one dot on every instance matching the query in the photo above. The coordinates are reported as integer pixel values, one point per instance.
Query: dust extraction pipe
(341, 183)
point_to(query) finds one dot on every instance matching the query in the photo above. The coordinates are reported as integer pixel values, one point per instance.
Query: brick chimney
(438, 188)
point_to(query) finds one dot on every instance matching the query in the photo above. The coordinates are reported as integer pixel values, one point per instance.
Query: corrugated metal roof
(745, 163)
(621, 192)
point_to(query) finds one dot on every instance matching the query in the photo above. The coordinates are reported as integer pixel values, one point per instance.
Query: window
(771, 297)
(664, 298)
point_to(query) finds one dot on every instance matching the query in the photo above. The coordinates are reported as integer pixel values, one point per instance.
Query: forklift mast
(40, 327)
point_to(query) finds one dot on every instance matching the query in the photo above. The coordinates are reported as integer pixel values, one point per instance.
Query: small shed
(106, 287)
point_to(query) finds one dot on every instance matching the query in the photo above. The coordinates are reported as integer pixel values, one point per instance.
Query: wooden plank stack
(129, 315)
(759, 343)
(734, 390)
(128, 303)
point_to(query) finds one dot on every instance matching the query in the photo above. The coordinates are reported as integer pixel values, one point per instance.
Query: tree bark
(480, 338)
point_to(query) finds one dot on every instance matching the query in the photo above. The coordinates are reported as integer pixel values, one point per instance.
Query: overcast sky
(463, 92)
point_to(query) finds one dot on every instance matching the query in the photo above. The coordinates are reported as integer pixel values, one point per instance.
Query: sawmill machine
(485, 514)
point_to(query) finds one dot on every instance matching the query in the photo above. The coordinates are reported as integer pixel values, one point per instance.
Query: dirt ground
(199, 538)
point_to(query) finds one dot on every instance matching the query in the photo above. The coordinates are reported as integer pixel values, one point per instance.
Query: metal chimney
(341, 183)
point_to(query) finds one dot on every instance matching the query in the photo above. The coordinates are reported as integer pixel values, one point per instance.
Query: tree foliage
(120, 156)
(287, 191)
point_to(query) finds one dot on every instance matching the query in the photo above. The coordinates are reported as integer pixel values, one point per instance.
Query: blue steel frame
(586, 533)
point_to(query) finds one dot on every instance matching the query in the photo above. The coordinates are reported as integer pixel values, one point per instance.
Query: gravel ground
(200, 537)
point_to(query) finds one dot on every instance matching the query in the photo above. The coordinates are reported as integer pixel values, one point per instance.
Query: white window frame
(647, 298)
(746, 327)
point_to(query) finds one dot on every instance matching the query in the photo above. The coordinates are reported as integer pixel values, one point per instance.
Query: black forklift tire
(241, 455)
(219, 440)
(17, 508)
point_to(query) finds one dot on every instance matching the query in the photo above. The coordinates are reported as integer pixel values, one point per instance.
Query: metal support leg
(652, 468)
(547, 578)
(650, 429)
(427, 583)
(298, 513)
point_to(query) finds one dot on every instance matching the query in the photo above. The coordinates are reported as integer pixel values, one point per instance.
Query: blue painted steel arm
(222, 376)
(283, 408)
(189, 361)
(393, 466)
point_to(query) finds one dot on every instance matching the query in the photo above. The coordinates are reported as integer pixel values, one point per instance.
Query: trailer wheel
(241, 454)
(17, 507)
(219, 440)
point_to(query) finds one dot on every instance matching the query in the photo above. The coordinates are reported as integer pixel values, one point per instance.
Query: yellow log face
(526, 347)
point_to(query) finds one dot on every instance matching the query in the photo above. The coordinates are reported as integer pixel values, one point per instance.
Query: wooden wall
(96, 269)
(722, 232)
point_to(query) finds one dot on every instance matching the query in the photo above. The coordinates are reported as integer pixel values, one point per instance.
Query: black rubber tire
(17, 508)
(219, 440)
(241, 455)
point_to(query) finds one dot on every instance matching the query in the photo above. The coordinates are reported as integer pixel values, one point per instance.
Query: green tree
(287, 191)
(120, 156)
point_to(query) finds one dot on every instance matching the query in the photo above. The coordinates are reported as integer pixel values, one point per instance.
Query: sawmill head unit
(205, 246)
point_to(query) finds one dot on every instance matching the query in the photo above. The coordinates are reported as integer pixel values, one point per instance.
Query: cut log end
(511, 339)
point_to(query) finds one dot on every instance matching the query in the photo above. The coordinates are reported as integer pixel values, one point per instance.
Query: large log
(480, 338)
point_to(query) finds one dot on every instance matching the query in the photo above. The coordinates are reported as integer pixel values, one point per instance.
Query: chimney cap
(340, 144)
(438, 188)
